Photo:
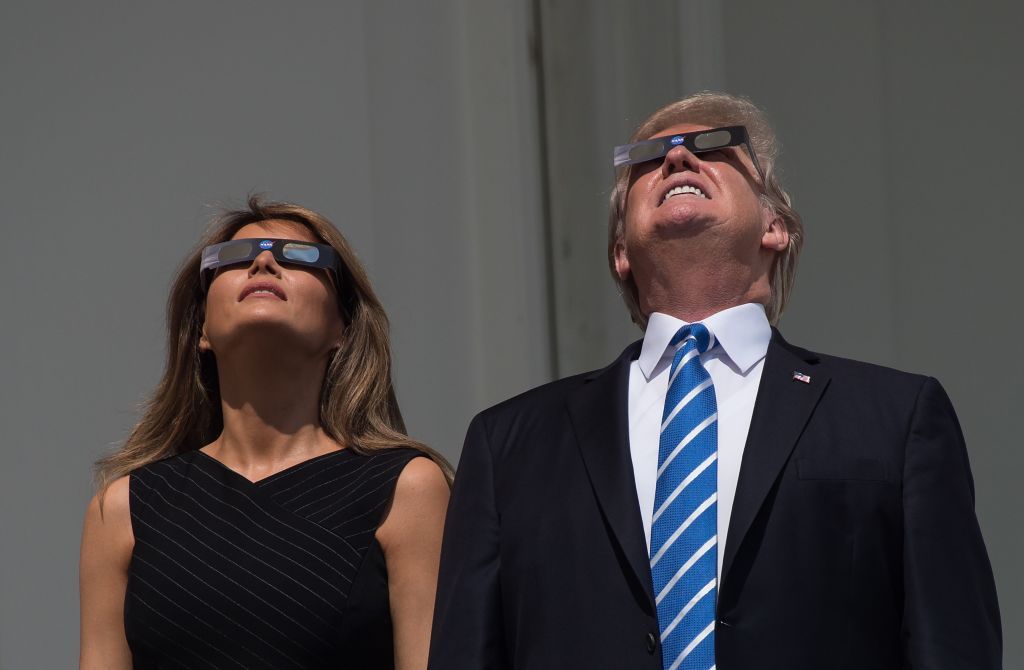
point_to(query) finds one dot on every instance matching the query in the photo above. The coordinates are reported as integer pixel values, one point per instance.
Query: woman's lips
(262, 290)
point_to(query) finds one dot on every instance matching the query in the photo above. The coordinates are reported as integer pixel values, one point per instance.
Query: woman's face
(292, 305)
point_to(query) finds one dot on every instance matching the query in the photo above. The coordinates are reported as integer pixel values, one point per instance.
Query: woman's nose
(265, 262)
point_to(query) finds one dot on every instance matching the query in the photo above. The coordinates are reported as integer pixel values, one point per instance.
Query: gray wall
(473, 185)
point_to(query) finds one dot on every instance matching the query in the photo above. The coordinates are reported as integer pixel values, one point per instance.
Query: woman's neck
(271, 409)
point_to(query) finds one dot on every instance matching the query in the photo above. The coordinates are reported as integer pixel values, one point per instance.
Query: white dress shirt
(735, 366)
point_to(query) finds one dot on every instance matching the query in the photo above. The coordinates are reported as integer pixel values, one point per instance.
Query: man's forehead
(679, 129)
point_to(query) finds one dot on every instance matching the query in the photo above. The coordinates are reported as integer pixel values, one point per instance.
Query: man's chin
(682, 223)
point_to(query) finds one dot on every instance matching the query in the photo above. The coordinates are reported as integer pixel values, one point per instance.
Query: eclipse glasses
(293, 252)
(697, 142)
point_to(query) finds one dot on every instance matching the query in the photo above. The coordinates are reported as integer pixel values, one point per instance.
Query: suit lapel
(599, 411)
(784, 405)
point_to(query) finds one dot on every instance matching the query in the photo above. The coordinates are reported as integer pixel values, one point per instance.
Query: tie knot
(697, 334)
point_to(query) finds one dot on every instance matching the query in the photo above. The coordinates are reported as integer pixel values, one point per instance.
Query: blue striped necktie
(684, 536)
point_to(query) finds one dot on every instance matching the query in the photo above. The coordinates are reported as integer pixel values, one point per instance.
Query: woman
(268, 511)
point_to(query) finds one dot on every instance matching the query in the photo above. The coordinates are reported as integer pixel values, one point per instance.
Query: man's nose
(265, 262)
(679, 159)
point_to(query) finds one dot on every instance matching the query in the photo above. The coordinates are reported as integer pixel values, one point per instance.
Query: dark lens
(646, 151)
(304, 253)
(713, 140)
(234, 251)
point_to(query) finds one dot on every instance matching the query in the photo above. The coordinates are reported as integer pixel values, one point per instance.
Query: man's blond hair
(716, 110)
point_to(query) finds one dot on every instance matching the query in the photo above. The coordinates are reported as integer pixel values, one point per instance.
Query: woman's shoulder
(108, 526)
(418, 503)
(397, 465)
(384, 468)
(352, 491)
(112, 501)
(389, 455)
(420, 476)
(150, 482)
(412, 471)
(175, 464)
(421, 488)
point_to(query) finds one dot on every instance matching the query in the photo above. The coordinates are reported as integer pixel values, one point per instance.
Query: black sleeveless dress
(281, 573)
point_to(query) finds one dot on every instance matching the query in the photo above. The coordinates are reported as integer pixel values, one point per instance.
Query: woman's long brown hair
(358, 407)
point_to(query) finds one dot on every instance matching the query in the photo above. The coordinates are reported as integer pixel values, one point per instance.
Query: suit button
(652, 643)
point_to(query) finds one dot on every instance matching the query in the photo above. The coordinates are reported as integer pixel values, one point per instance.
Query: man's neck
(692, 284)
(695, 299)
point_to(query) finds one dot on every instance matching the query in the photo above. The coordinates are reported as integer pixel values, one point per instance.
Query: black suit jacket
(852, 543)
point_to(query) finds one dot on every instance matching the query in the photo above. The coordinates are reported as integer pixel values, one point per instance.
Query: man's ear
(622, 268)
(776, 236)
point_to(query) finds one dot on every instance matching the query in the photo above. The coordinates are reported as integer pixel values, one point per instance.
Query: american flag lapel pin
(801, 377)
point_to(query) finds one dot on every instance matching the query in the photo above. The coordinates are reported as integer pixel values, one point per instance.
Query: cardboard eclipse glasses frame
(292, 252)
(697, 142)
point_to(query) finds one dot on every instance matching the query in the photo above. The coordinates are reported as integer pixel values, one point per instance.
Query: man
(716, 497)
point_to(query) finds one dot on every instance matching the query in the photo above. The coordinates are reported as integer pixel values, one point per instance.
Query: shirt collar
(742, 331)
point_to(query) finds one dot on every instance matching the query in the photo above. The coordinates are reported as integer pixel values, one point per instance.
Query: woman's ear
(204, 342)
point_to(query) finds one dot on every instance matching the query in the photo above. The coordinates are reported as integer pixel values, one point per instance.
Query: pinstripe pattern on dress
(684, 547)
(229, 573)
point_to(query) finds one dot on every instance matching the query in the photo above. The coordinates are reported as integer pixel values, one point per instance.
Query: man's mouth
(683, 190)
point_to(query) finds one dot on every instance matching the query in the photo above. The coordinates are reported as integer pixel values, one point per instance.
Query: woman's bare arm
(107, 543)
(411, 540)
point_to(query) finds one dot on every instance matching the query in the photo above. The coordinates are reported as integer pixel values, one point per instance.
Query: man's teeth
(263, 290)
(682, 190)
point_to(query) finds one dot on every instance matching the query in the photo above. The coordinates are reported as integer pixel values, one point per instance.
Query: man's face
(700, 209)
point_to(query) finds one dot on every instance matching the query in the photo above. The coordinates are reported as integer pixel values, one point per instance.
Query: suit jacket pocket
(849, 469)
